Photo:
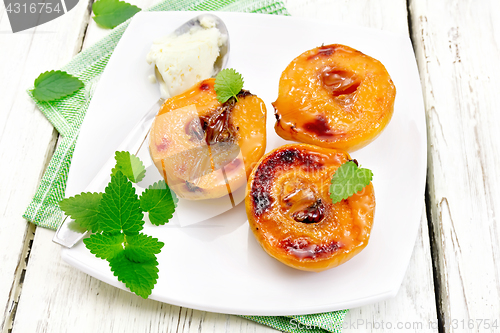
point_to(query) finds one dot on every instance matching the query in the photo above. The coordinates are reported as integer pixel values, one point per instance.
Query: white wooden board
(458, 48)
(58, 298)
(27, 139)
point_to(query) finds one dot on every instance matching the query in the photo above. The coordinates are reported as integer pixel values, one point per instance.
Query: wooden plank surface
(27, 139)
(458, 53)
(57, 298)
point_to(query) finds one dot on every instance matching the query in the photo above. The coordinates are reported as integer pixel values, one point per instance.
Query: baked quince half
(205, 149)
(334, 96)
(291, 213)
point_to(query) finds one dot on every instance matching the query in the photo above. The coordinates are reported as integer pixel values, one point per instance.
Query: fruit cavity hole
(340, 82)
(217, 126)
(312, 214)
(301, 202)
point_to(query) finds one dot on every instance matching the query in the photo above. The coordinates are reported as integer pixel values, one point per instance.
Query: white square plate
(217, 265)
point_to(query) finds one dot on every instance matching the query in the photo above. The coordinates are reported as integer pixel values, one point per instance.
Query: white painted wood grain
(26, 137)
(58, 298)
(458, 51)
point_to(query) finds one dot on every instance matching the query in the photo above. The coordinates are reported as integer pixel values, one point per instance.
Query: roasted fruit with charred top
(291, 213)
(334, 96)
(205, 149)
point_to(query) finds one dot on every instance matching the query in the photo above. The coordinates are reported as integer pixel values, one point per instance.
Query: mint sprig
(228, 83)
(115, 219)
(111, 13)
(53, 85)
(348, 180)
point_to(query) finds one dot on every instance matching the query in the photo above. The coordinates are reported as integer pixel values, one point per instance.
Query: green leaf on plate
(228, 83)
(348, 180)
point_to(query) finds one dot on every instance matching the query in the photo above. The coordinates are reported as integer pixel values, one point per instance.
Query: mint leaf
(120, 207)
(140, 278)
(83, 208)
(348, 180)
(160, 202)
(142, 248)
(105, 246)
(111, 13)
(130, 165)
(54, 85)
(228, 83)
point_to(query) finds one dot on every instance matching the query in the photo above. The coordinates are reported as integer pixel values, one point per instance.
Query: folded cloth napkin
(67, 116)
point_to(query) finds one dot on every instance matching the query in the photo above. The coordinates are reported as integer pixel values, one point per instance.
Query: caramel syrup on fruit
(312, 214)
(217, 127)
(342, 85)
(301, 202)
(340, 82)
(323, 51)
(302, 248)
(319, 126)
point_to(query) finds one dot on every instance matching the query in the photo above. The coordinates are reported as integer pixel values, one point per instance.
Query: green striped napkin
(67, 116)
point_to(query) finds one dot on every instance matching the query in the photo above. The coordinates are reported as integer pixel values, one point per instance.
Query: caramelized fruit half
(205, 149)
(334, 96)
(292, 216)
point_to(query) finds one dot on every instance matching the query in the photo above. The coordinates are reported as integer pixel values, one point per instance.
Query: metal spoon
(223, 57)
(221, 60)
(70, 233)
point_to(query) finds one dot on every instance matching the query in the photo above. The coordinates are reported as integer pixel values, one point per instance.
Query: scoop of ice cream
(184, 60)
